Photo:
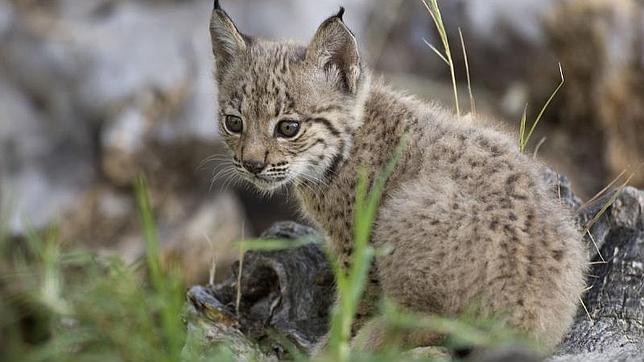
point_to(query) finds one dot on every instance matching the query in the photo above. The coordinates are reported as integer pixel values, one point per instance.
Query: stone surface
(107, 81)
(94, 94)
(41, 171)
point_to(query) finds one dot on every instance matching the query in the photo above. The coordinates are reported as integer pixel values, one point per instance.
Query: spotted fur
(465, 214)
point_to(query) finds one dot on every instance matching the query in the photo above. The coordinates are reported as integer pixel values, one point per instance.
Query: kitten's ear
(335, 49)
(227, 41)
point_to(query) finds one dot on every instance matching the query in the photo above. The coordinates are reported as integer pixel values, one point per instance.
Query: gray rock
(123, 142)
(98, 93)
(6, 13)
(93, 95)
(41, 172)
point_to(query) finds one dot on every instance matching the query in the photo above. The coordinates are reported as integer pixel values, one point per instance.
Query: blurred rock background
(94, 93)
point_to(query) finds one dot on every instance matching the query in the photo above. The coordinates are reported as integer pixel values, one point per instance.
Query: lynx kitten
(466, 216)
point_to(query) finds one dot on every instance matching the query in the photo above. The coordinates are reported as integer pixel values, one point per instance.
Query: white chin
(265, 185)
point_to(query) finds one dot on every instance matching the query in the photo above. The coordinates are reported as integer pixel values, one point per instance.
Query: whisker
(222, 174)
(215, 157)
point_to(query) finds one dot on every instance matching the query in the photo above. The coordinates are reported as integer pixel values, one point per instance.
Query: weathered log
(613, 329)
(284, 298)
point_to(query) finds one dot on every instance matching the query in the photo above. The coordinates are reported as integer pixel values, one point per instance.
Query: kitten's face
(286, 111)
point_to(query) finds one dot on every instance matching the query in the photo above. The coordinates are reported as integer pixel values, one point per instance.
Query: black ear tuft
(216, 5)
(340, 13)
(335, 49)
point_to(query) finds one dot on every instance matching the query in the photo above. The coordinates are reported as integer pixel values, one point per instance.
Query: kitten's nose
(253, 166)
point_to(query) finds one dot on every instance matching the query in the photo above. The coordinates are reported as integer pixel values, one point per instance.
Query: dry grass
(467, 73)
(608, 204)
(242, 252)
(601, 192)
(435, 13)
(524, 132)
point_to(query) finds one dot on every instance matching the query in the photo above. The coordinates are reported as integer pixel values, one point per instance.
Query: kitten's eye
(234, 124)
(287, 129)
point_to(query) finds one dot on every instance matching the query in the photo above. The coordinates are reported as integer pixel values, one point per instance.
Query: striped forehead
(263, 89)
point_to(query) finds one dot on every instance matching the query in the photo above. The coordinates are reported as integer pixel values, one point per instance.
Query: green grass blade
(350, 284)
(149, 232)
(522, 127)
(273, 245)
(167, 286)
(545, 106)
